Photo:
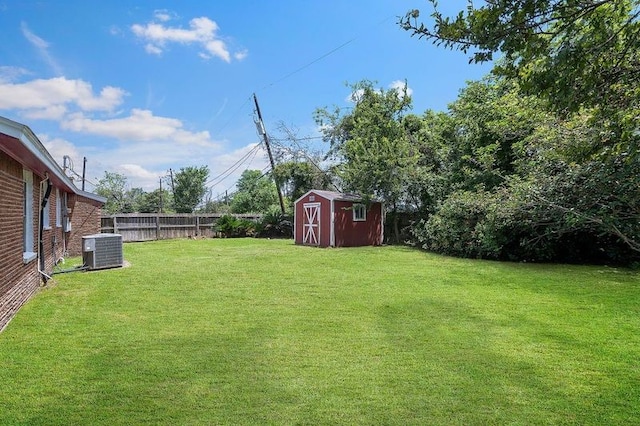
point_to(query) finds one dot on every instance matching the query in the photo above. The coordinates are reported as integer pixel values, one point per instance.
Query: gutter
(43, 204)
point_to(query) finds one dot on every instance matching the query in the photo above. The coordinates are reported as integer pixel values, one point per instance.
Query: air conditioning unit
(101, 251)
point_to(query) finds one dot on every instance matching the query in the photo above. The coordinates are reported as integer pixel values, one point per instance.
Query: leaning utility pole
(84, 170)
(263, 132)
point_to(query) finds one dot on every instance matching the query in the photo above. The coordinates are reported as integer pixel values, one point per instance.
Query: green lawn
(264, 332)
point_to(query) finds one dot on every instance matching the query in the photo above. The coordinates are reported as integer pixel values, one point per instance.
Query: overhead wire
(234, 166)
(225, 174)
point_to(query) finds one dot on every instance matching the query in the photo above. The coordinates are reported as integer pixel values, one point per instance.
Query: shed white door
(311, 224)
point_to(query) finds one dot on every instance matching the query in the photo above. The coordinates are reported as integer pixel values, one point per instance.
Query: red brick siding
(85, 220)
(18, 281)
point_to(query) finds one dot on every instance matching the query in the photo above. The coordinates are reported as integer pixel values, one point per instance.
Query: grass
(265, 332)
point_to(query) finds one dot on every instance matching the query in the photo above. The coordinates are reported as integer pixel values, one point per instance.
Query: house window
(58, 209)
(27, 219)
(359, 213)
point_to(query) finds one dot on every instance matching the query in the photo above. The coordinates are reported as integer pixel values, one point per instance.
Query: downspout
(43, 204)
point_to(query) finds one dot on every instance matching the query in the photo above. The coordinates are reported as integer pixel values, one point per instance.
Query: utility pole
(263, 132)
(173, 188)
(160, 195)
(84, 170)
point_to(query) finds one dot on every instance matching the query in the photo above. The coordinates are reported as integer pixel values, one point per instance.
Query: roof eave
(39, 154)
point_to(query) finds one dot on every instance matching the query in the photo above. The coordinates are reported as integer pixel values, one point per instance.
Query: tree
(573, 180)
(255, 193)
(576, 53)
(156, 201)
(298, 177)
(515, 181)
(113, 187)
(132, 200)
(190, 188)
(376, 157)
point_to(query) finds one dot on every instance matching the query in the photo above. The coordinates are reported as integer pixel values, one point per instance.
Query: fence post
(197, 225)
(157, 227)
(115, 224)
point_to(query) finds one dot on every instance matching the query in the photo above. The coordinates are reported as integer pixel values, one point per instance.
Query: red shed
(334, 219)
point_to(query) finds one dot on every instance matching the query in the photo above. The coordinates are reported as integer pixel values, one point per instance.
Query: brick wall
(85, 220)
(18, 282)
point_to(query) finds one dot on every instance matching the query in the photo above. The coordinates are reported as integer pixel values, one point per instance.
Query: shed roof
(21, 144)
(333, 195)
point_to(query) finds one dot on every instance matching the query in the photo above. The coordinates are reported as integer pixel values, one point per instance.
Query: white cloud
(52, 112)
(42, 46)
(163, 15)
(137, 173)
(59, 148)
(241, 55)
(399, 86)
(202, 32)
(9, 74)
(144, 163)
(140, 126)
(49, 98)
(115, 30)
(152, 49)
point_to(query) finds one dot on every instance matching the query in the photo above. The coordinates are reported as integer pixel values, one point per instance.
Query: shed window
(359, 213)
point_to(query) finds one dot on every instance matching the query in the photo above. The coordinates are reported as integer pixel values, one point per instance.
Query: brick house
(42, 216)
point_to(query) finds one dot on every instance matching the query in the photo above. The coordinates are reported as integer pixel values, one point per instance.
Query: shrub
(275, 225)
(463, 226)
(230, 226)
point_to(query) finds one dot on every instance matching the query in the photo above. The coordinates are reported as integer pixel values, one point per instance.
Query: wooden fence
(160, 226)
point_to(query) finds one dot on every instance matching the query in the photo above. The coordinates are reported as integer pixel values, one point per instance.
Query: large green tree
(574, 52)
(572, 180)
(298, 177)
(371, 145)
(113, 186)
(156, 201)
(189, 188)
(515, 181)
(255, 193)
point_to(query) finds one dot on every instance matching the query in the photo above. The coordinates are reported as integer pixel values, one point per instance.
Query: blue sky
(142, 87)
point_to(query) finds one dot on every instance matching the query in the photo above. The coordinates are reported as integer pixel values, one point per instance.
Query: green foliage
(506, 178)
(255, 193)
(113, 187)
(216, 207)
(580, 56)
(232, 227)
(465, 225)
(376, 157)
(190, 188)
(275, 225)
(156, 201)
(371, 142)
(298, 177)
(575, 53)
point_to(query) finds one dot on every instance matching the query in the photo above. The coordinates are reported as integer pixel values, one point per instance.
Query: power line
(230, 171)
(332, 51)
(254, 149)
